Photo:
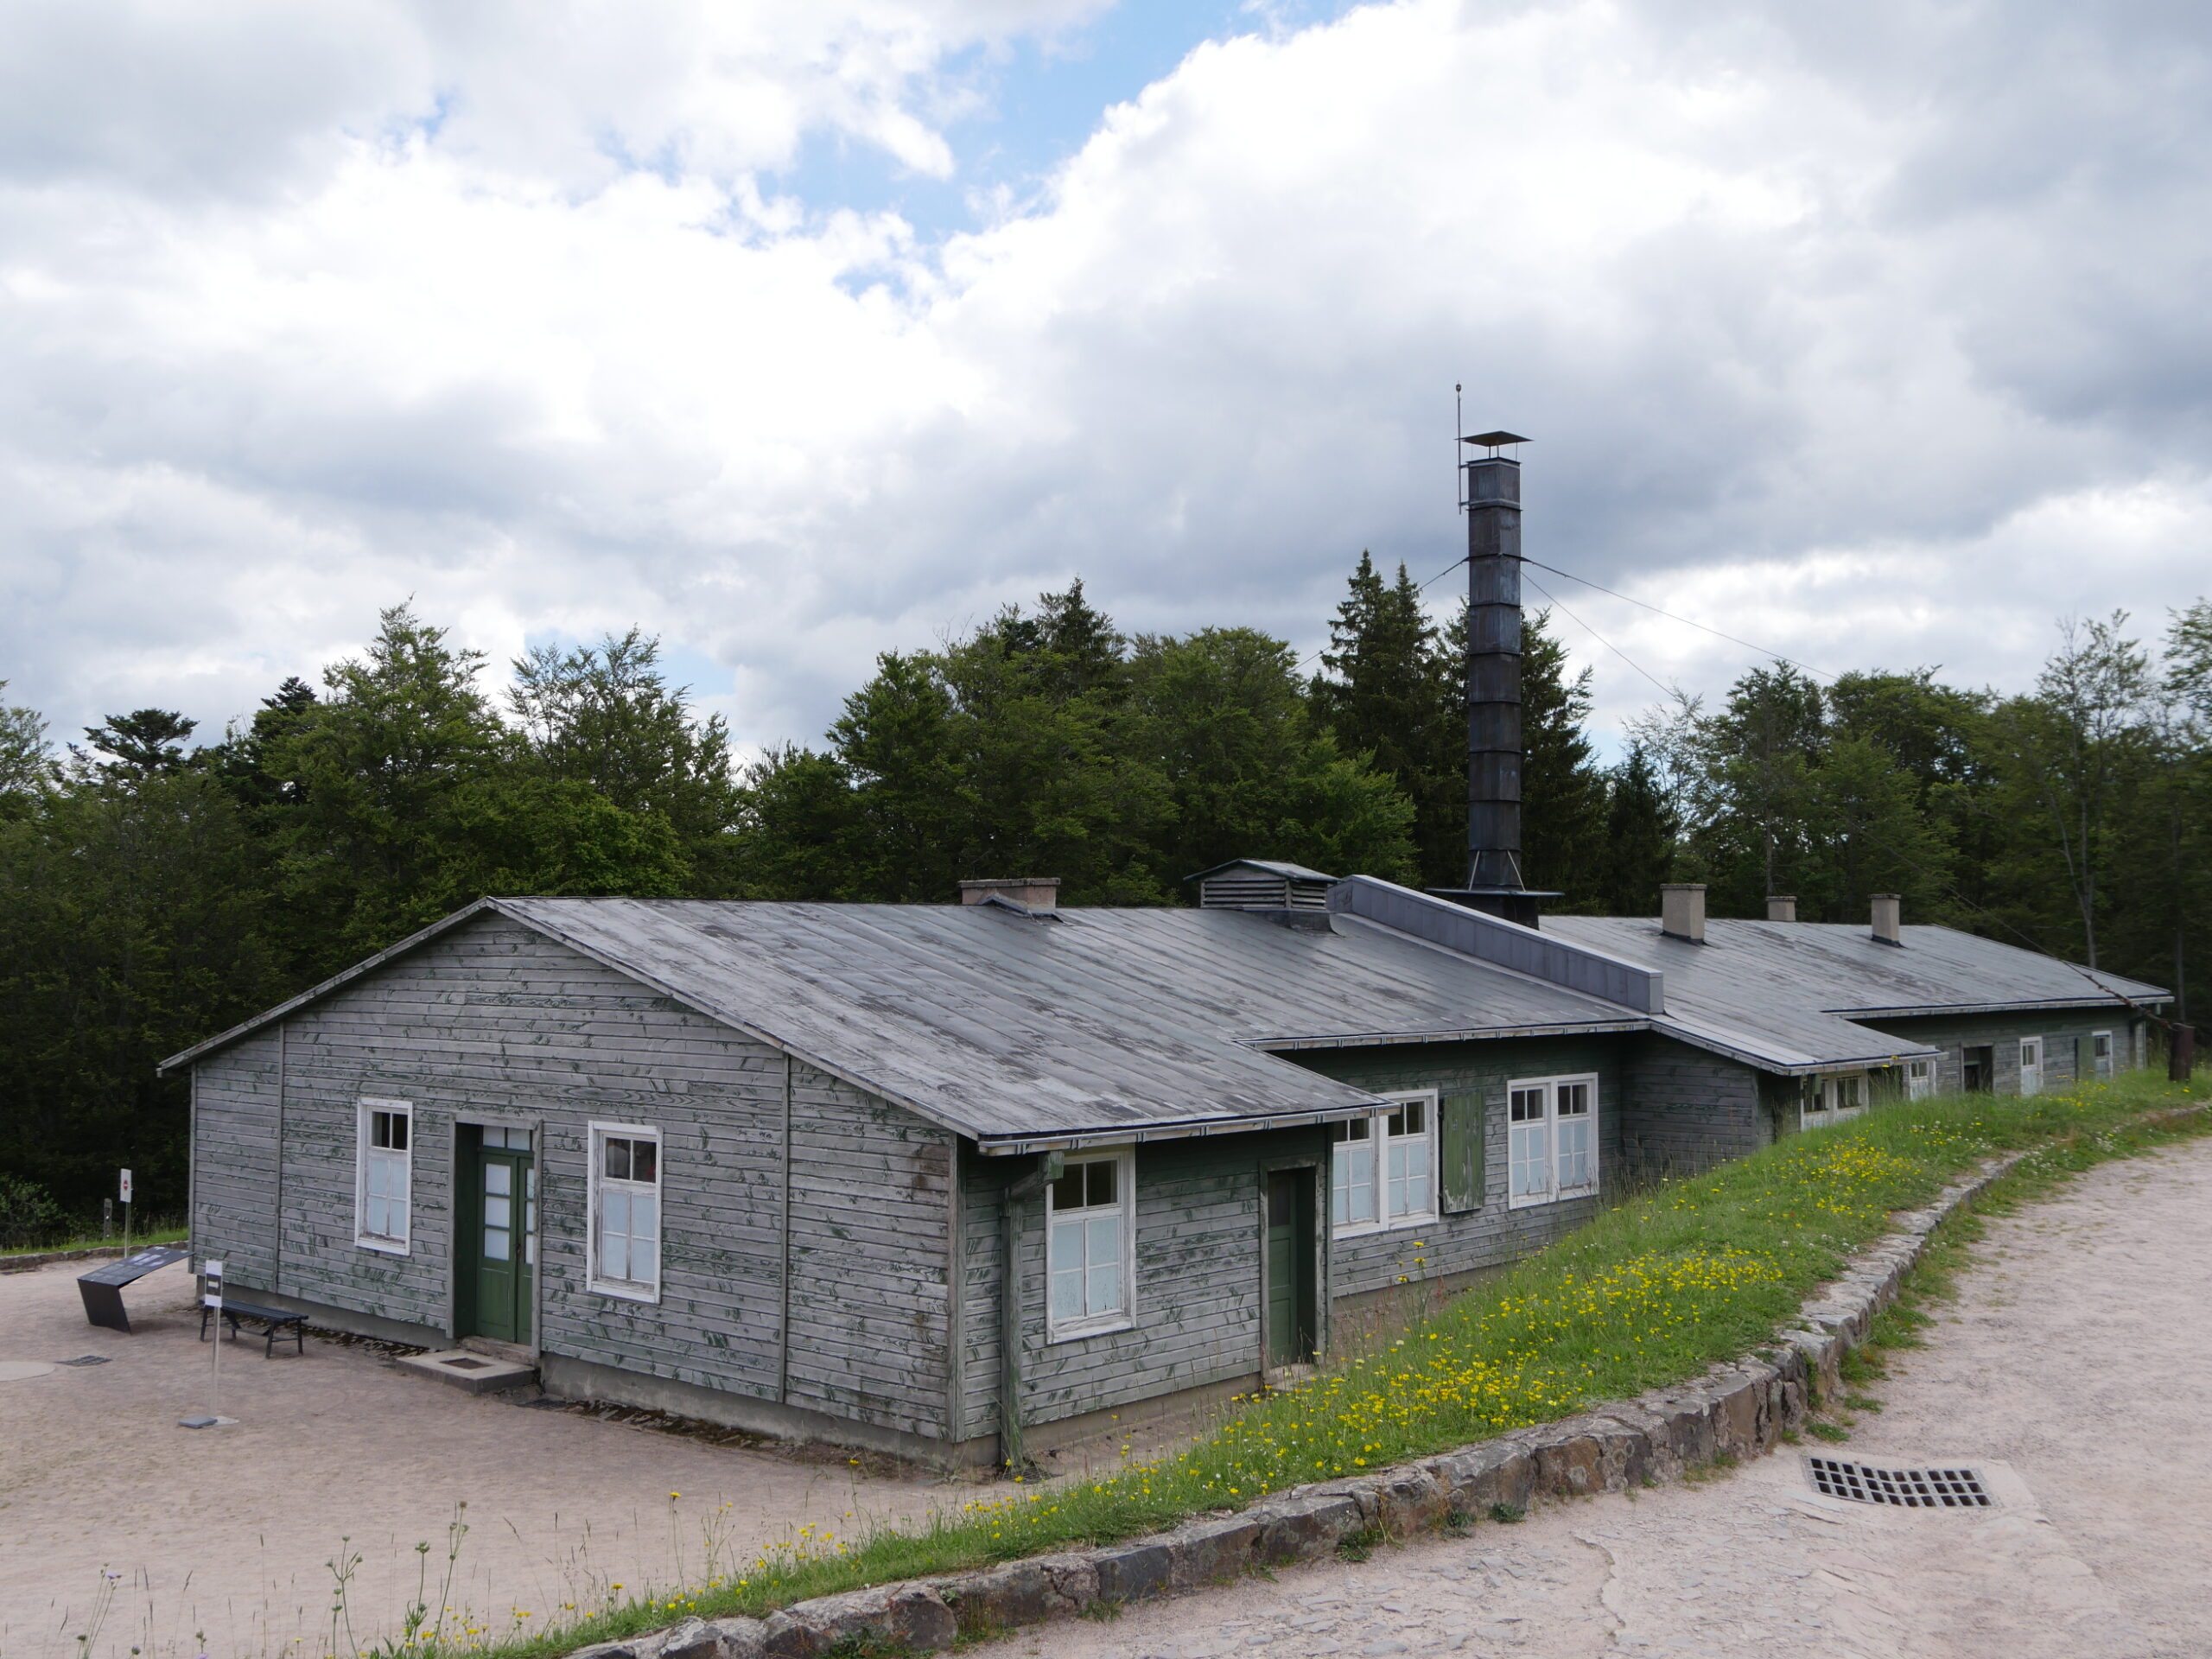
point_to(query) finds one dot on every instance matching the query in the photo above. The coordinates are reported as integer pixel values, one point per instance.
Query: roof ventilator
(1263, 884)
(1888, 921)
(1025, 895)
(1782, 907)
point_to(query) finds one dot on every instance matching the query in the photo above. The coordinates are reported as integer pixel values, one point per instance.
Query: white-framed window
(384, 1175)
(1551, 1140)
(2100, 1053)
(1831, 1099)
(1919, 1080)
(2030, 1066)
(1090, 1244)
(1383, 1166)
(626, 1211)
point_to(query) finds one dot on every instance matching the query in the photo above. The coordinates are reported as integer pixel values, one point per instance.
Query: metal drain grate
(1908, 1489)
(87, 1359)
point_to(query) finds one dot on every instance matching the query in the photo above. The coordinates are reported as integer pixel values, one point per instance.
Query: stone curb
(1740, 1409)
(47, 1258)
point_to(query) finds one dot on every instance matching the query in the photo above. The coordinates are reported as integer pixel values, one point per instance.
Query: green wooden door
(1290, 1315)
(502, 1229)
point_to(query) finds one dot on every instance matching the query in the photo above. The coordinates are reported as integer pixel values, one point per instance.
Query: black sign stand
(102, 1288)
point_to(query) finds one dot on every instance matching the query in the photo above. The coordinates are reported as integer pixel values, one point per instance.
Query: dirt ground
(219, 1538)
(2070, 1373)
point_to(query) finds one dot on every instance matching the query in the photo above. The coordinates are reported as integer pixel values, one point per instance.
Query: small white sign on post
(126, 1214)
(212, 1271)
(126, 1187)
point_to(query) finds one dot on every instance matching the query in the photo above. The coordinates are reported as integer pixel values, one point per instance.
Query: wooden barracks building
(962, 1181)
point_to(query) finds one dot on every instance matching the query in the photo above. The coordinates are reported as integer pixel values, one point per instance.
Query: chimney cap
(1491, 440)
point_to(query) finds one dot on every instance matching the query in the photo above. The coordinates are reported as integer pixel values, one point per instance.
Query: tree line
(153, 891)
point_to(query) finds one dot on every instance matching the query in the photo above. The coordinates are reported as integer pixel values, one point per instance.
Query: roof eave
(2118, 1004)
(1008, 1146)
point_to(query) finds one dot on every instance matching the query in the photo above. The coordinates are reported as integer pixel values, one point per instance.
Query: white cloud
(1876, 345)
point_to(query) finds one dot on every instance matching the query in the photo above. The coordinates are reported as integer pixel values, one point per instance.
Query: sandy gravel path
(226, 1531)
(2072, 1371)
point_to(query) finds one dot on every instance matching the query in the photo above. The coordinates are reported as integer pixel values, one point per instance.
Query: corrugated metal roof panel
(1004, 1026)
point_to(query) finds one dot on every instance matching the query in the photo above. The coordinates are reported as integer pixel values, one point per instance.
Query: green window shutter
(1460, 1138)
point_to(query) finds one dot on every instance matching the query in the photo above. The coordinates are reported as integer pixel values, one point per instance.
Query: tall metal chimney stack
(1495, 883)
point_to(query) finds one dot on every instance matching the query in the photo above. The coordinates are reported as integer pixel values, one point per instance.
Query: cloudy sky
(796, 330)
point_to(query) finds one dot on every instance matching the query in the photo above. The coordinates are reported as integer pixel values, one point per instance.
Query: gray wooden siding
(234, 1181)
(494, 1020)
(2003, 1031)
(1197, 1292)
(870, 1305)
(1493, 1234)
(1688, 1109)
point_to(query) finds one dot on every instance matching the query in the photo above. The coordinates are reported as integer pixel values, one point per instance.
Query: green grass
(1649, 1292)
(164, 1233)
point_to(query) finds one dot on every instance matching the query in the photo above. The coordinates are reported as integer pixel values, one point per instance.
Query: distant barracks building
(963, 1182)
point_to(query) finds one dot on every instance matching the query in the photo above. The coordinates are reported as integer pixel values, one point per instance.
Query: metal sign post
(126, 1212)
(211, 1300)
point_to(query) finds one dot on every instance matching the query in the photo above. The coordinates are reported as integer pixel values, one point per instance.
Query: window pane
(1574, 1098)
(499, 1179)
(1528, 1106)
(645, 1262)
(1340, 1187)
(1577, 1156)
(1415, 1117)
(618, 1160)
(1067, 1267)
(1103, 1288)
(497, 1211)
(1067, 1192)
(644, 1215)
(1067, 1294)
(1529, 1171)
(1102, 1240)
(614, 1210)
(1360, 1166)
(1394, 1122)
(495, 1242)
(644, 1161)
(614, 1255)
(1098, 1182)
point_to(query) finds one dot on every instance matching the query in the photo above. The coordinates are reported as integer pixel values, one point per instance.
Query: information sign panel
(102, 1288)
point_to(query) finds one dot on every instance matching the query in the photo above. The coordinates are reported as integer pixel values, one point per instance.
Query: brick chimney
(1681, 911)
(1888, 924)
(1782, 907)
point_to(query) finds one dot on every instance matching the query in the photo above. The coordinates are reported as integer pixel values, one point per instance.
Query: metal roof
(1797, 985)
(1091, 1022)
(1024, 1031)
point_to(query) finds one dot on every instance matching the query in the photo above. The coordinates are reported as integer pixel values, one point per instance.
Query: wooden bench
(277, 1321)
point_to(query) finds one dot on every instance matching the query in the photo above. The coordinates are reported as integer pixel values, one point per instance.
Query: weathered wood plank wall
(493, 1022)
(1493, 1234)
